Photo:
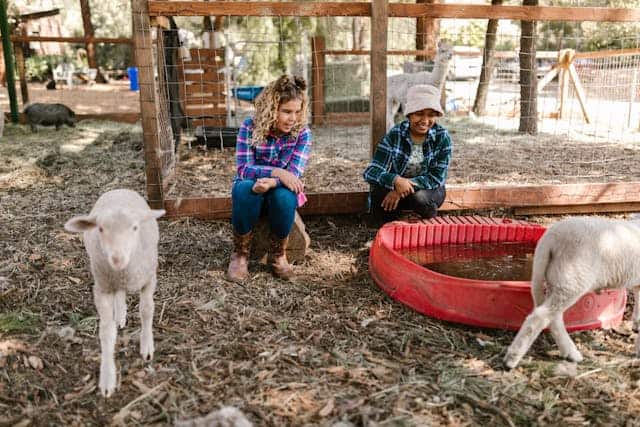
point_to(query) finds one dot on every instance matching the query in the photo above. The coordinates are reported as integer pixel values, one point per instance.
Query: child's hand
(391, 201)
(263, 185)
(289, 180)
(403, 186)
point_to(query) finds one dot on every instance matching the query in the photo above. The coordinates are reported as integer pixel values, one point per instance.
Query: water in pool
(479, 261)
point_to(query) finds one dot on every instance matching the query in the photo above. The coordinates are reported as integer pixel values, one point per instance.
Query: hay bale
(298, 241)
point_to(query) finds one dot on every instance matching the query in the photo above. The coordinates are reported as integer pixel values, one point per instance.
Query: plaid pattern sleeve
(379, 170)
(301, 152)
(246, 156)
(436, 161)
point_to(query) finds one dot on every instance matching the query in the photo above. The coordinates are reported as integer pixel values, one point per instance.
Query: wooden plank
(203, 87)
(245, 8)
(580, 92)
(520, 13)
(51, 39)
(317, 79)
(208, 76)
(480, 197)
(578, 209)
(205, 110)
(527, 200)
(347, 119)
(378, 97)
(607, 53)
(396, 10)
(201, 53)
(207, 98)
(219, 121)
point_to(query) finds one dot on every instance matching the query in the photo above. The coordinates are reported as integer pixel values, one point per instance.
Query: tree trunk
(488, 63)
(528, 75)
(427, 30)
(88, 32)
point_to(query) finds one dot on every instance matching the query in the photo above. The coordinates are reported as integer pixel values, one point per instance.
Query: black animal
(49, 115)
(51, 85)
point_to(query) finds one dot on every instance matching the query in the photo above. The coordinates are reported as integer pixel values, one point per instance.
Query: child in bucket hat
(411, 162)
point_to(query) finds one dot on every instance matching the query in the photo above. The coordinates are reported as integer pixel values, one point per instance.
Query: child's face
(288, 114)
(421, 121)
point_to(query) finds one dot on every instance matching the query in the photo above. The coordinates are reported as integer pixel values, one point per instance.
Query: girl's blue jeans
(279, 204)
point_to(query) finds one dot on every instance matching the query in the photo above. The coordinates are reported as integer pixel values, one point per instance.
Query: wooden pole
(426, 33)
(8, 60)
(317, 80)
(149, 99)
(378, 96)
(22, 73)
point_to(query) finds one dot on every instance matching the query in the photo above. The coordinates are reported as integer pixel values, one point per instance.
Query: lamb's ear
(79, 224)
(152, 214)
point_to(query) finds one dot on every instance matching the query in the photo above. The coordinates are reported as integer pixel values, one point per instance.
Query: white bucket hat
(420, 97)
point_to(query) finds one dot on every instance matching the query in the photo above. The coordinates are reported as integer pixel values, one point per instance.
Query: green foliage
(18, 322)
(269, 45)
(471, 34)
(114, 56)
(588, 35)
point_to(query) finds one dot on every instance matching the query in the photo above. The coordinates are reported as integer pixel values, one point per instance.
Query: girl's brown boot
(279, 263)
(239, 262)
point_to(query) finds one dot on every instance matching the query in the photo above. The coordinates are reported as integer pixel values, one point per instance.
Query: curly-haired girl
(272, 150)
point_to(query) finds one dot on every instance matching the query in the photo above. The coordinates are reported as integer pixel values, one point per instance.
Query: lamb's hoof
(146, 350)
(511, 361)
(107, 385)
(573, 356)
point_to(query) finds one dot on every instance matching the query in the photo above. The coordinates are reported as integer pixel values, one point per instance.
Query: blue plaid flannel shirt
(392, 157)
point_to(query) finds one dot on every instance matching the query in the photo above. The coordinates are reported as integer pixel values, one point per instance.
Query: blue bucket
(247, 93)
(132, 72)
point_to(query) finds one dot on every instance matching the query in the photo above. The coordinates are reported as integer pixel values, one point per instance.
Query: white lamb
(398, 84)
(574, 257)
(121, 238)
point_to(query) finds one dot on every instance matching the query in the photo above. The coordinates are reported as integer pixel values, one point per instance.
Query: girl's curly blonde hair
(284, 89)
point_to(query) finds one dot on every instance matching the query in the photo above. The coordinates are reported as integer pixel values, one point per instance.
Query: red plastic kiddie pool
(492, 304)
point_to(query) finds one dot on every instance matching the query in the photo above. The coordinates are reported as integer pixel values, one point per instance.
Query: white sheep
(397, 85)
(574, 257)
(121, 238)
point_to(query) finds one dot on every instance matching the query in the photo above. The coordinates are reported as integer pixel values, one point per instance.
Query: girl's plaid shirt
(393, 153)
(259, 160)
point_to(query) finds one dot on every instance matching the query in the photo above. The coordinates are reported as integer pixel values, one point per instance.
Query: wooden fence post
(317, 80)
(143, 47)
(378, 96)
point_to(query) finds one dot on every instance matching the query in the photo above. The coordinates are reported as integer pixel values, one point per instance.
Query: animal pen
(583, 98)
(100, 103)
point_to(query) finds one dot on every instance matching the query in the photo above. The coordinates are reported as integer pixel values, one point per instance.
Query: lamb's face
(118, 233)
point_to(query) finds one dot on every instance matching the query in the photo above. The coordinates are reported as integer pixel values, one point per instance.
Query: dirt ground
(327, 349)
(114, 97)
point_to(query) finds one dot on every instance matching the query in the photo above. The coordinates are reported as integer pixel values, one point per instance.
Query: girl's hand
(263, 185)
(289, 180)
(403, 186)
(391, 200)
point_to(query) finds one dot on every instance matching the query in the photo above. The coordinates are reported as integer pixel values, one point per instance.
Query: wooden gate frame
(573, 198)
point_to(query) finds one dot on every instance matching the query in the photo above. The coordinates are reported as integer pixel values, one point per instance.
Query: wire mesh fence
(588, 109)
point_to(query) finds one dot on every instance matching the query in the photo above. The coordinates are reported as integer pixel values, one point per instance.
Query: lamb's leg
(146, 319)
(566, 345)
(104, 302)
(635, 317)
(529, 331)
(121, 308)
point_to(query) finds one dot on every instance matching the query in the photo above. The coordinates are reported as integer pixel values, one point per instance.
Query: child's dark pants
(425, 203)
